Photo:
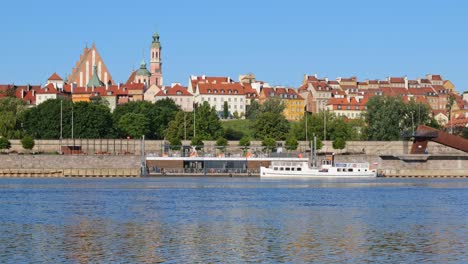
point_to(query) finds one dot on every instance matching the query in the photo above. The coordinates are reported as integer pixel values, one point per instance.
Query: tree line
(385, 119)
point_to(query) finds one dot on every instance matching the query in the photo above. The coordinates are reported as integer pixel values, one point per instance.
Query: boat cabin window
(275, 168)
(288, 169)
(339, 169)
(350, 170)
(281, 168)
(299, 169)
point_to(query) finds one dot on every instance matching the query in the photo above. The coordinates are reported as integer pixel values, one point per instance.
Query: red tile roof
(176, 90)
(55, 77)
(397, 80)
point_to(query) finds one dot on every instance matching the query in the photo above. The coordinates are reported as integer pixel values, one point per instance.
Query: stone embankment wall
(155, 147)
(68, 165)
(414, 165)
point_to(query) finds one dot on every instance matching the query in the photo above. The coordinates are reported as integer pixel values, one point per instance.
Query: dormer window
(209, 91)
(235, 91)
(229, 91)
(215, 91)
(179, 93)
(222, 91)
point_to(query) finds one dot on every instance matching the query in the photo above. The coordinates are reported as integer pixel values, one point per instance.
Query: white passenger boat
(302, 169)
(309, 169)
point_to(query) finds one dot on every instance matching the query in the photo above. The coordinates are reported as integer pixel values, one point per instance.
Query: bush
(339, 143)
(197, 142)
(232, 134)
(4, 143)
(244, 142)
(269, 144)
(175, 143)
(291, 143)
(27, 142)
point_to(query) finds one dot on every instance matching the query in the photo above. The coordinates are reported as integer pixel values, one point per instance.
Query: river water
(233, 220)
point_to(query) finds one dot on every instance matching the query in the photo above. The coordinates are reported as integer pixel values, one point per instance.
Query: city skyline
(277, 43)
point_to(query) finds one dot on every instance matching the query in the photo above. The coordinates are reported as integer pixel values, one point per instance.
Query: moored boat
(303, 169)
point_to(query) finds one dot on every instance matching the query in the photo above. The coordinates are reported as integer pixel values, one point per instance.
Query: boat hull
(269, 173)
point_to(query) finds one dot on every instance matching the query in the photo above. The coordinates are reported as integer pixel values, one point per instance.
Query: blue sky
(279, 41)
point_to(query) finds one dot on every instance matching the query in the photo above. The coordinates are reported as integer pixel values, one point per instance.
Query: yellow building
(294, 104)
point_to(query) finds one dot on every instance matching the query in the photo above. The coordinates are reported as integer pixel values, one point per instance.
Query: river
(233, 220)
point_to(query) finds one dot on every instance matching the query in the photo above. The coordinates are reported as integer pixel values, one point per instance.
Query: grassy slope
(242, 125)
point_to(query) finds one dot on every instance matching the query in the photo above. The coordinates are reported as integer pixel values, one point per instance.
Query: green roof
(143, 71)
(95, 82)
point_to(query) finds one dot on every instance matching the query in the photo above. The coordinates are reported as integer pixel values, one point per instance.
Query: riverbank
(420, 166)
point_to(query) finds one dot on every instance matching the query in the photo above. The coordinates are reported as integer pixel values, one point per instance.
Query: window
(235, 99)
(288, 169)
(281, 168)
(299, 169)
(275, 168)
(338, 107)
(209, 91)
(214, 99)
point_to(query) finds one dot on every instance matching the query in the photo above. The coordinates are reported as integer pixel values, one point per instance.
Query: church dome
(143, 71)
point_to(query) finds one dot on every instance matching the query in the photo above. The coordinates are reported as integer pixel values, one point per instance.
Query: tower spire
(155, 62)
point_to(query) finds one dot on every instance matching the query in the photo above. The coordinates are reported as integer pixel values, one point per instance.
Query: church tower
(155, 62)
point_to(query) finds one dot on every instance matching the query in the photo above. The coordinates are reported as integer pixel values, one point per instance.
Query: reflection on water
(233, 220)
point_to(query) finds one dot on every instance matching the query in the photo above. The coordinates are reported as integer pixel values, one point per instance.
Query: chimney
(118, 86)
(107, 86)
(203, 77)
(316, 76)
(22, 93)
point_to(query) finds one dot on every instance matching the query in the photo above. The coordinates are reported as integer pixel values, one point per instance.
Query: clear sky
(279, 41)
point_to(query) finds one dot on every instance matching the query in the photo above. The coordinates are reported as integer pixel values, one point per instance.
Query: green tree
(175, 143)
(207, 125)
(165, 111)
(319, 143)
(43, 121)
(244, 142)
(12, 110)
(291, 143)
(339, 143)
(236, 115)
(269, 144)
(387, 117)
(180, 127)
(449, 105)
(315, 125)
(197, 142)
(339, 128)
(252, 110)
(221, 143)
(225, 110)
(270, 121)
(91, 120)
(4, 143)
(134, 125)
(27, 142)
(159, 115)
